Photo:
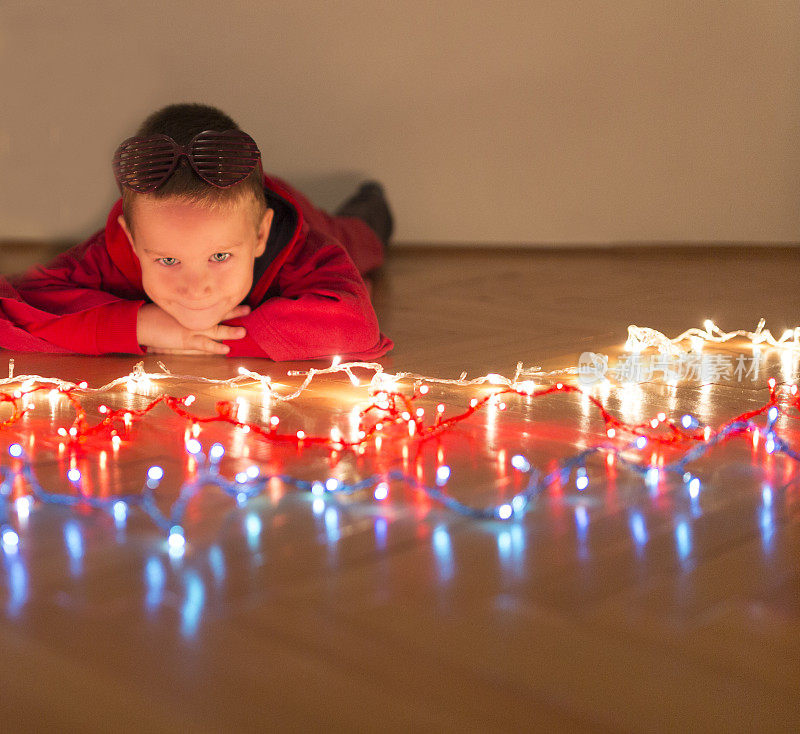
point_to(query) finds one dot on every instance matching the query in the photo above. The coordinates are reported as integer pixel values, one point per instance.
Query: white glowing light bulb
(23, 506)
(504, 511)
(74, 475)
(193, 446)
(332, 484)
(520, 463)
(15, 450)
(155, 473)
(216, 452)
(176, 540)
(442, 475)
(381, 491)
(10, 539)
(641, 442)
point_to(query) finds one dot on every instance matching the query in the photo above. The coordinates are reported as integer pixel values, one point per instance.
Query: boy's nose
(196, 283)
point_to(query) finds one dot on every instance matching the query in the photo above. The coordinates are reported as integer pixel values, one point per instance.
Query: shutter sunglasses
(221, 159)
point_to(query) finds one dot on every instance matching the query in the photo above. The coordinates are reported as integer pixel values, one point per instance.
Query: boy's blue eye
(167, 260)
(220, 257)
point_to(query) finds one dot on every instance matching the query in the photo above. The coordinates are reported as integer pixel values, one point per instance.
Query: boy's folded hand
(163, 334)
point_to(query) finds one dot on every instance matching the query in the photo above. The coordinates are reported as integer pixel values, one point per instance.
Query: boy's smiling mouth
(196, 308)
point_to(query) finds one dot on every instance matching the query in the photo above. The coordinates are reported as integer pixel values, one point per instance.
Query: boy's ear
(124, 225)
(263, 232)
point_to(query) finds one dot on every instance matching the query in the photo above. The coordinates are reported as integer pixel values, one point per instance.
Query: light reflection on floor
(584, 516)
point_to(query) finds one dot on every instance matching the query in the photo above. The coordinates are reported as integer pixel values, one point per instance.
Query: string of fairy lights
(390, 414)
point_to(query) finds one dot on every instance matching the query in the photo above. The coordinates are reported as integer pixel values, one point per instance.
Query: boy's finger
(208, 345)
(226, 333)
(236, 313)
(158, 350)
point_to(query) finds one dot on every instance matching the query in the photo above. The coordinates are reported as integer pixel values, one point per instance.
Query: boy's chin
(196, 320)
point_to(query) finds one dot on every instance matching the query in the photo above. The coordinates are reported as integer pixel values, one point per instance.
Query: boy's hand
(163, 334)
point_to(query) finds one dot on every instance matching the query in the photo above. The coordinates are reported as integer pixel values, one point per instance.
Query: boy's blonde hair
(182, 122)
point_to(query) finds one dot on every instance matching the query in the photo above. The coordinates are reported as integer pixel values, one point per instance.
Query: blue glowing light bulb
(216, 452)
(15, 450)
(688, 421)
(772, 414)
(518, 503)
(317, 489)
(120, 510)
(641, 442)
(694, 488)
(241, 477)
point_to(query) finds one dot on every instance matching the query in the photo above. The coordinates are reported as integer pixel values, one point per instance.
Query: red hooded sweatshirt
(308, 300)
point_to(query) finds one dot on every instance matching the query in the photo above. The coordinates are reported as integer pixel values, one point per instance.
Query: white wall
(523, 122)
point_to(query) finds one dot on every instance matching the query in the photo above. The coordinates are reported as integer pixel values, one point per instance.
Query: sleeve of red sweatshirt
(323, 309)
(80, 302)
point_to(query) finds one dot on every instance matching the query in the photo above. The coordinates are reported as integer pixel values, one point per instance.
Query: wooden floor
(618, 608)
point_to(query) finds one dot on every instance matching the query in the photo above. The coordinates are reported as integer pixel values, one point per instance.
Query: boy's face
(197, 263)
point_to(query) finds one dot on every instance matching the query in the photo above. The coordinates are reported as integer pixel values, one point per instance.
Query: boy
(206, 254)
